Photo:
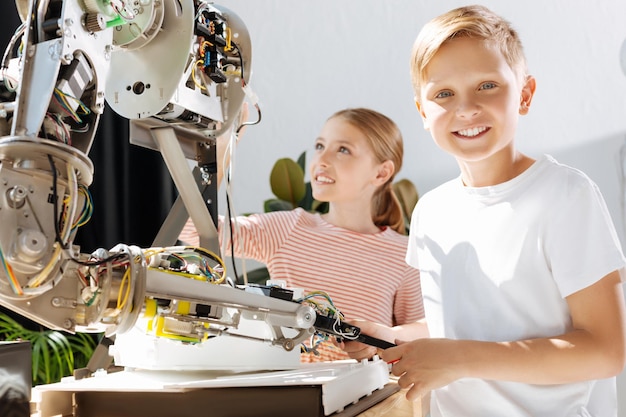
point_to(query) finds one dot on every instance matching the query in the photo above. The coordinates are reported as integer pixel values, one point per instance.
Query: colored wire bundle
(325, 307)
(13, 282)
(63, 100)
(188, 261)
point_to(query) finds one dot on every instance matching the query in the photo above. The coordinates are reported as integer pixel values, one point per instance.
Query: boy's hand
(423, 365)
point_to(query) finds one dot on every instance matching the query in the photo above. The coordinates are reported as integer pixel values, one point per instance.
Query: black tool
(347, 331)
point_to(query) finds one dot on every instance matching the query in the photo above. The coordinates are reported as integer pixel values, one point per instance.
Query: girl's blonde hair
(470, 21)
(385, 139)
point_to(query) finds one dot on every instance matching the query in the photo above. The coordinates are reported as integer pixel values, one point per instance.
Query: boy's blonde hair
(473, 22)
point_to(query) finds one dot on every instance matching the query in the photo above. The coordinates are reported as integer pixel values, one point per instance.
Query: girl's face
(343, 167)
(471, 100)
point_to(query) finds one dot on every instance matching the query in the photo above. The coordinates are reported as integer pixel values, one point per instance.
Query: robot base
(314, 390)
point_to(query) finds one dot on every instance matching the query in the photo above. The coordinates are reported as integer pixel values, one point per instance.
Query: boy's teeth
(472, 132)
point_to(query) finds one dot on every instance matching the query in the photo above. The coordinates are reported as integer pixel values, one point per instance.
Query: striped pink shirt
(366, 275)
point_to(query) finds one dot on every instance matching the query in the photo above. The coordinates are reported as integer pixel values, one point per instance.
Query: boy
(520, 265)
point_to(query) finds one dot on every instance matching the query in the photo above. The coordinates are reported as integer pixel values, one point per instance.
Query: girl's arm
(358, 350)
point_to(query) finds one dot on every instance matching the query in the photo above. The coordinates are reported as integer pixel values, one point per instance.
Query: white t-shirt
(496, 264)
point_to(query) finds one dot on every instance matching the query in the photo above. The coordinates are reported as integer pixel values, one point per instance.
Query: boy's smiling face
(471, 99)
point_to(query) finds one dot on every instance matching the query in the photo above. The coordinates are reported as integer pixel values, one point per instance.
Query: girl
(354, 252)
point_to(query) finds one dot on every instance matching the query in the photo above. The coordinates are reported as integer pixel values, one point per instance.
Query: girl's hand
(358, 350)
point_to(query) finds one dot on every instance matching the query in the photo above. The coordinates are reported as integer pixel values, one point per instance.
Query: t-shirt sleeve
(581, 243)
(189, 234)
(259, 236)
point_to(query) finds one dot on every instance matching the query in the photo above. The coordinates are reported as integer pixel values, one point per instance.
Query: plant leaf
(82, 346)
(62, 351)
(41, 360)
(287, 181)
(320, 206)
(307, 201)
(54, 353)
(302, 161)
(276, 205)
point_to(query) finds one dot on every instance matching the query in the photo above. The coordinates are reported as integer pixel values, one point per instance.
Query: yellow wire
(17, 288)
(125, 282)
(88, 208)
(228, 46)
(216, 258)
(38, 279)
(193, 75)
(185, 252)
(188, 275)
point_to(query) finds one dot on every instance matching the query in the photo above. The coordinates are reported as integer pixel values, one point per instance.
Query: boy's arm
(595, 349)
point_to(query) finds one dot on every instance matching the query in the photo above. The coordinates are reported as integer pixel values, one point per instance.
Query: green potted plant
(55, 354)
(289, 188)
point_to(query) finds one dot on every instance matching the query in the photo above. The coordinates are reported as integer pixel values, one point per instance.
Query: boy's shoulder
(563, 169)
(560, 178)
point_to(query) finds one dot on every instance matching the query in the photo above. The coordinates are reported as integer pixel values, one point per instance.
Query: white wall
(311, 58)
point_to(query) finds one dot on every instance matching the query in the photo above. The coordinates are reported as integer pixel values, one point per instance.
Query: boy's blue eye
(444, 94)
(343, 149)
(318, 146)
(487, 86)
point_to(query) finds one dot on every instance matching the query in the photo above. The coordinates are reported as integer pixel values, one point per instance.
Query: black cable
(102, 261)
(230, 226)
(257, 121)
(55, 208)
(57, 220)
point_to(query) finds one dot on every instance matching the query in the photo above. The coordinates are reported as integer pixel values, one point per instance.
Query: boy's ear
(421, 112)
(526, 97)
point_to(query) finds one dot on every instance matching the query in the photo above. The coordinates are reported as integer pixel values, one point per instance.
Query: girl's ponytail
(387, 210)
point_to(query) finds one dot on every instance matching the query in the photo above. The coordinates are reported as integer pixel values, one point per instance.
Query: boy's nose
(467, 109)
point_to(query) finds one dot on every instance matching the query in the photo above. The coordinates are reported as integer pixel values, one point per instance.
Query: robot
(178, 70)
(64, 61)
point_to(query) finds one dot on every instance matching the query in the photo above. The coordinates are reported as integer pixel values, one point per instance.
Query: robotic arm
(178, 70)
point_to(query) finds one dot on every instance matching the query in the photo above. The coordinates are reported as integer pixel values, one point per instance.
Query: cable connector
(251, 95)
